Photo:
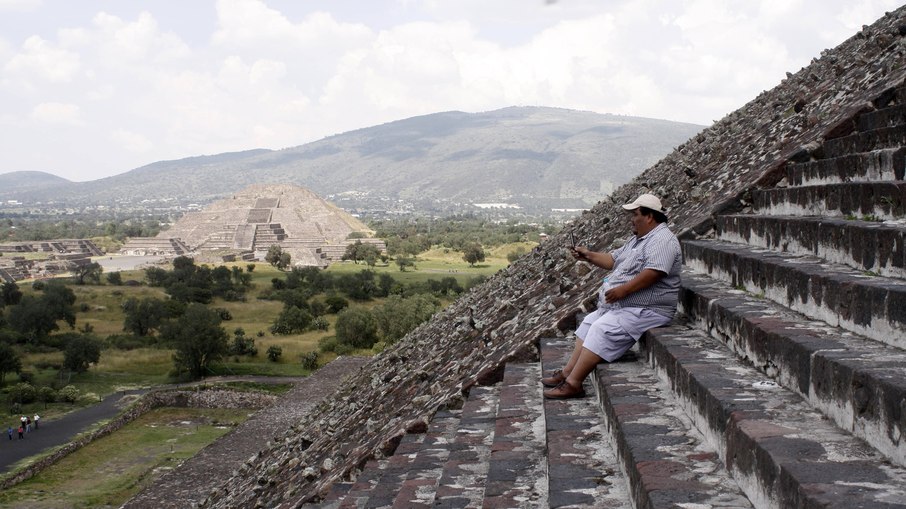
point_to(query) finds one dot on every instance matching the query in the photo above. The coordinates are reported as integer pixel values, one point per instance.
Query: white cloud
(131, 141)
(44, 60)
(57, 113)
(19, 5)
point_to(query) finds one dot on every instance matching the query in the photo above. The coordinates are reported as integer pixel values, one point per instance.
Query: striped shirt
(659, 250)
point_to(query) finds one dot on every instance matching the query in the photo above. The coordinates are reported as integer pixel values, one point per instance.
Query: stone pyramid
(310, 228)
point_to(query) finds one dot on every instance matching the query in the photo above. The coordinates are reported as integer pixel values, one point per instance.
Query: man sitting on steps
(639, 294)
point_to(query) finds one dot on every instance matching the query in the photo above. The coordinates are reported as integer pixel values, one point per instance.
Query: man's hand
(616, 293)
(604, 260)
(580, 252)
(645, 279)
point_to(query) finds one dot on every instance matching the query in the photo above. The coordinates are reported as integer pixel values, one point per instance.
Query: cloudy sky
(93, 88)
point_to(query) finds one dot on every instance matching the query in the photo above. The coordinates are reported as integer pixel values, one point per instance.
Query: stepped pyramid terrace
(312, 230)
(780, 384)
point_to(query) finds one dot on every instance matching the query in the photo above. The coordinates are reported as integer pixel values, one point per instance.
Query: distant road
(125, 262)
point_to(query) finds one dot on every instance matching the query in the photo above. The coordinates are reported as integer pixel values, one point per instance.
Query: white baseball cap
(649, 201)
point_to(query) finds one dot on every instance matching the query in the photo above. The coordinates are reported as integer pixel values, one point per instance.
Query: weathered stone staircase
(782, 383)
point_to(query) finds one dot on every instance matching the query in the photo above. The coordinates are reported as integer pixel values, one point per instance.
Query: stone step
(376, 473)
(781, 451)
(857, 382)
(872, 306)
(667, 461)
(887, 117)
(462, 480)
(855, 200)
(517, 473)
(583, 470)
(420, 484)
(885, 164)
(885, 137)
(863, 245)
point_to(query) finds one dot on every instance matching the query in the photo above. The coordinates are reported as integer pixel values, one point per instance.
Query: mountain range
(530, 156)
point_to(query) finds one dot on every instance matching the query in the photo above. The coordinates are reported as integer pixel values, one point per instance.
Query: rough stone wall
(537, 296)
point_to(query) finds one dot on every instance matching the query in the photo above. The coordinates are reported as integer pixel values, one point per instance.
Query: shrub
(127, 341)
(356, 328)
(224, 314)
(274, 353)
(309, 360)
(69, 394)
(343, 349)
(242, 345)
(398, 316)
(27, 377)
(328, 344)
(81, 352)
(45, 364)
(114, 278)
(22, 393)
(317, 308)
(320, 323)
(335, 304)
(47, 394)
(291, 320)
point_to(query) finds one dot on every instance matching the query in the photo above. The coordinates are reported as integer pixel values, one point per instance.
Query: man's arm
(603, 260)
(645, 279)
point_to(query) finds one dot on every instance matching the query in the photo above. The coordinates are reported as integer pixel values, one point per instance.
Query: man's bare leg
(584, 364)
(571, 387)
(558, 376)
(573, 358)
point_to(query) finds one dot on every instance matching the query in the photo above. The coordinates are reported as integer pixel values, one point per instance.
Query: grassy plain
(110, 470)
(99, 307)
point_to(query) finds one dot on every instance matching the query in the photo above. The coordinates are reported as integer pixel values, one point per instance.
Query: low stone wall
(210, 398)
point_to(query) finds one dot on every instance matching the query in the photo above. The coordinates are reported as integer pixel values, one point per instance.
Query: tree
(142, 317)
(10, 295)
(473, 253)
(274, 352)
(36, 316)
(115, 278)
(243, 345)
(398, 315)
(369, 253)
(404, 261)
(335, 303)
(285, 261)
(277, 257)
(356, 327)
(198, 338)
(352, 252)
(9, 361)
(90, 271)
(292, 320)
(80, 352)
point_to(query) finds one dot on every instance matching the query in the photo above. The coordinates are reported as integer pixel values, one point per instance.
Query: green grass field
(110, 470)
(100, 308)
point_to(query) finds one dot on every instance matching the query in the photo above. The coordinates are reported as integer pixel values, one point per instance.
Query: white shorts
(608, 333)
